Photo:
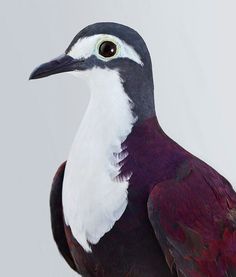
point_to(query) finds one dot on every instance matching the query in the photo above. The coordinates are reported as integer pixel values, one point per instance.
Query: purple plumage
(189, 207)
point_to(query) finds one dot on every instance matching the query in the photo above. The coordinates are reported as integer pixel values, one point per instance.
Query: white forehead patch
(88, 46)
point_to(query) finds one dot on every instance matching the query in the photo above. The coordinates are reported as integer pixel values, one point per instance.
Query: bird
(130, 201)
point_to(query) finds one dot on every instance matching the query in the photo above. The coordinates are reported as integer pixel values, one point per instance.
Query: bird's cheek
(81, 74)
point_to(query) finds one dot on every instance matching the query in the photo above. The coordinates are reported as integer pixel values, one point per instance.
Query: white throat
(93, 200)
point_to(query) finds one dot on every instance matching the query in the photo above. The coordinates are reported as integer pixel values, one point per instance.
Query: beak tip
(30, 77)
(34, 74)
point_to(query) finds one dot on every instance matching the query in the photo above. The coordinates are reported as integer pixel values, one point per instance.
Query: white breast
(92, 199)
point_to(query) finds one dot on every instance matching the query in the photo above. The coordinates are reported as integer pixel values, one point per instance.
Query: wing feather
(57, 218)
(194, 219)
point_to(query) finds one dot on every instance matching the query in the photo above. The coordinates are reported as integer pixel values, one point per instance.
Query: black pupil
(107, 49)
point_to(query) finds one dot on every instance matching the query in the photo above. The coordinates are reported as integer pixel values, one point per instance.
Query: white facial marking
(93, 198)
(88, 46)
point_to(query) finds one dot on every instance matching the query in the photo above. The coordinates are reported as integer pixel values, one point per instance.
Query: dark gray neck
(138, 84)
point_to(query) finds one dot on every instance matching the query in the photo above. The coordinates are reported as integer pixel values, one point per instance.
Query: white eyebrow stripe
(83, 48)
(130, 53)
(86, 47)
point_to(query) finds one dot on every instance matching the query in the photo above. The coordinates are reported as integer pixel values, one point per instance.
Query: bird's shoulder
(57, 217)
(194, 219)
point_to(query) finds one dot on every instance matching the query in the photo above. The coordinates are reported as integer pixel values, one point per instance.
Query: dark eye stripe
(107, 49)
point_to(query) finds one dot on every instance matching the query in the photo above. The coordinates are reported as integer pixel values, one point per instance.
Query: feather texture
(194, 219)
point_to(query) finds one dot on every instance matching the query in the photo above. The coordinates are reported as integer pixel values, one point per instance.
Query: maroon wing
(57, 218)
(194, 219)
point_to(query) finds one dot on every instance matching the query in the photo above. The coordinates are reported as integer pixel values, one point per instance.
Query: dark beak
(63, 63)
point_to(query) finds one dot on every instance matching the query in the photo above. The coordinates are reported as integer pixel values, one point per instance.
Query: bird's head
(103, 48)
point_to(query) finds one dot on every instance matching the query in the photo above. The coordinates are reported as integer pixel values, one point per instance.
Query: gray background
(192, 44)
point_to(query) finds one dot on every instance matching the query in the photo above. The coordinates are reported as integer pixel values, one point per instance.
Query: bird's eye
(107, 49)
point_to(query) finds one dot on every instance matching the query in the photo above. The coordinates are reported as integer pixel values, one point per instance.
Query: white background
(193, 47)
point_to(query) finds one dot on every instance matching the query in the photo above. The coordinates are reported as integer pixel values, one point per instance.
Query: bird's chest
(93, 199)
